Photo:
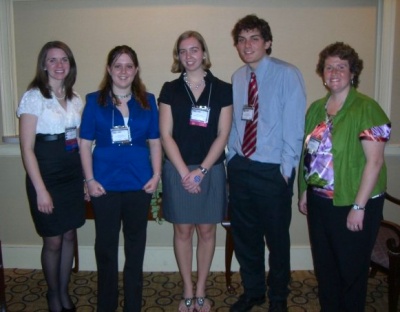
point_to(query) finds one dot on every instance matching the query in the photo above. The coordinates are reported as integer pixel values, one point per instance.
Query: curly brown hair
(344, 52)
(250, 22)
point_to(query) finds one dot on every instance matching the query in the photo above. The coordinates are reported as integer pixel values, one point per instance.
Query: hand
(302, 204)
(355, 220)
(151, 186)
(86, 195)
(45, 202)
(95, 188)
(191, 182)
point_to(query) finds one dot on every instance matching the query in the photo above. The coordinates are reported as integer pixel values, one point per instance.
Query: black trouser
(130, 208)
(341, 257)
(261, 208)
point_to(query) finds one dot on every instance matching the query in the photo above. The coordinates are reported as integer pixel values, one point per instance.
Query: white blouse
(52, 117)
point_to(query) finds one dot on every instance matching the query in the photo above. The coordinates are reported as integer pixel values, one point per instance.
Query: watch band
(203, 170)
(357, 207)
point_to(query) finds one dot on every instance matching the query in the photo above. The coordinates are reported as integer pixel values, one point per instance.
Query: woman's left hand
(355, 220)
(151, 186)
(191, 182)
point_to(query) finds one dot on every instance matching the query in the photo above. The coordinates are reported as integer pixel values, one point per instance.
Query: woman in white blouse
(49, 115)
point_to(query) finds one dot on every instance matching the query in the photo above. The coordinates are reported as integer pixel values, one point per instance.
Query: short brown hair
(344, 52)
(250, 22)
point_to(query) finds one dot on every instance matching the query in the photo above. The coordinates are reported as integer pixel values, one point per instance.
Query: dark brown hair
(138, 88)
(250, 22)
(41, 79)
(344, 52)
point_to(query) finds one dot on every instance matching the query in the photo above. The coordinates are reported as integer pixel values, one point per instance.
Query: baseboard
(157, 259)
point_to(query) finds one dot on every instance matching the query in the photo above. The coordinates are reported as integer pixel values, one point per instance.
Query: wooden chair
(3, 306)
(386, 256)
(229, 247)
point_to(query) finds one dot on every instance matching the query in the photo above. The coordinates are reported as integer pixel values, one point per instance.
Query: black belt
(49, 137)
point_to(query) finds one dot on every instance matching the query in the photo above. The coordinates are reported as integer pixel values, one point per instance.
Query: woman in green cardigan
(342, 180)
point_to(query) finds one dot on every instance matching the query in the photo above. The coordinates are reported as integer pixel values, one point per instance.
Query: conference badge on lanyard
(120, 135)
(199, 116)
(71, 142)
(248, 113)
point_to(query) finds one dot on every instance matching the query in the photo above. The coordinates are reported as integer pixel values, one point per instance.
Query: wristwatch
(203, 170)
(357, 207)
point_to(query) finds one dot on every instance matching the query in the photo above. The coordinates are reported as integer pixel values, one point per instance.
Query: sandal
(202, 304)
(186, 305)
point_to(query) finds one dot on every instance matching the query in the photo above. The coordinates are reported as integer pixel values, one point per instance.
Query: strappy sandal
(202, 304)
(187, 303)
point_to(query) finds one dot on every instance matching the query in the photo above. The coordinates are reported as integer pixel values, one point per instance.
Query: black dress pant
(110, 210)
(261, 208)
(341, 257)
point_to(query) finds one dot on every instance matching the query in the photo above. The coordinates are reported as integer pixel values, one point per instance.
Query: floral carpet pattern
(26, 291)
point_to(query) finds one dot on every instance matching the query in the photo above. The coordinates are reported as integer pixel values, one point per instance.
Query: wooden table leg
(228, 254)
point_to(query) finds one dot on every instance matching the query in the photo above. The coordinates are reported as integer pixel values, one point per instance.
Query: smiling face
(122, 72)
(191, 54)
(337, 75)
(57, 65)
(252, 47)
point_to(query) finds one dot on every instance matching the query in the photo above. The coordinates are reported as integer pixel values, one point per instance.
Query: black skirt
(62, 175)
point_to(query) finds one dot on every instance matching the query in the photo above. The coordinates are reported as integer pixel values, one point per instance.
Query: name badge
(199, 116)
(313, 145)
(120, 135)
(71, 142)
(248, 113)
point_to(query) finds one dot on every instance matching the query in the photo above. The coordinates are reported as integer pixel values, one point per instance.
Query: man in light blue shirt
(261, 184)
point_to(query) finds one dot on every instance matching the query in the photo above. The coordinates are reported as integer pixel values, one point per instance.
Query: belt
(49, 137)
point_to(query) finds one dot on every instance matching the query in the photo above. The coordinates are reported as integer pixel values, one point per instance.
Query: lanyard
(191, 100)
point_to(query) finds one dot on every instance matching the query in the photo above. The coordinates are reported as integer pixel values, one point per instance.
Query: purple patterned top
(318, 161)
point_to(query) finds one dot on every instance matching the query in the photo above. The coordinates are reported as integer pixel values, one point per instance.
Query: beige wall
(301, 28)
(92, 27)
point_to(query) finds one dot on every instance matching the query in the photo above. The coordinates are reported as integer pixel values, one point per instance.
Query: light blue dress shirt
(281, 113)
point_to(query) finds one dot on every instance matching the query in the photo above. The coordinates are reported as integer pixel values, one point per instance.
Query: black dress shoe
(245, 303)
(73, 309)
(277, 306)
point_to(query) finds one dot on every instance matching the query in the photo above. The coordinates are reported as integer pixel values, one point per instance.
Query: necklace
(191, 85)
(125, 96)
(62, 97)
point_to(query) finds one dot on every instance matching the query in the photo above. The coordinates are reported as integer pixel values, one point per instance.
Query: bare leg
(67, 255)
(50, 258)
(206, 234)
(183, 247)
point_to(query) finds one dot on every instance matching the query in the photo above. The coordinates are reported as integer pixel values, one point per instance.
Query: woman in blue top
(121, 174)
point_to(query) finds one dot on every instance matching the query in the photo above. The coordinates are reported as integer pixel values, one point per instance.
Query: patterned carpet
(26, 291)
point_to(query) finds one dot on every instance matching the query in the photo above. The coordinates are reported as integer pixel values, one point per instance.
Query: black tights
(57, 257)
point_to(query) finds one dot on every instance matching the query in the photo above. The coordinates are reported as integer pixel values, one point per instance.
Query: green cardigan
(359, 112)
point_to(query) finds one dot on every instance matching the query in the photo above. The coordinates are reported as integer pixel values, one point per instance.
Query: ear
(267, 44)
(109, 70)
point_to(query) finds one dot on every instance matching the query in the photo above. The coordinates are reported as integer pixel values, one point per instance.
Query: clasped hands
(191, 181)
